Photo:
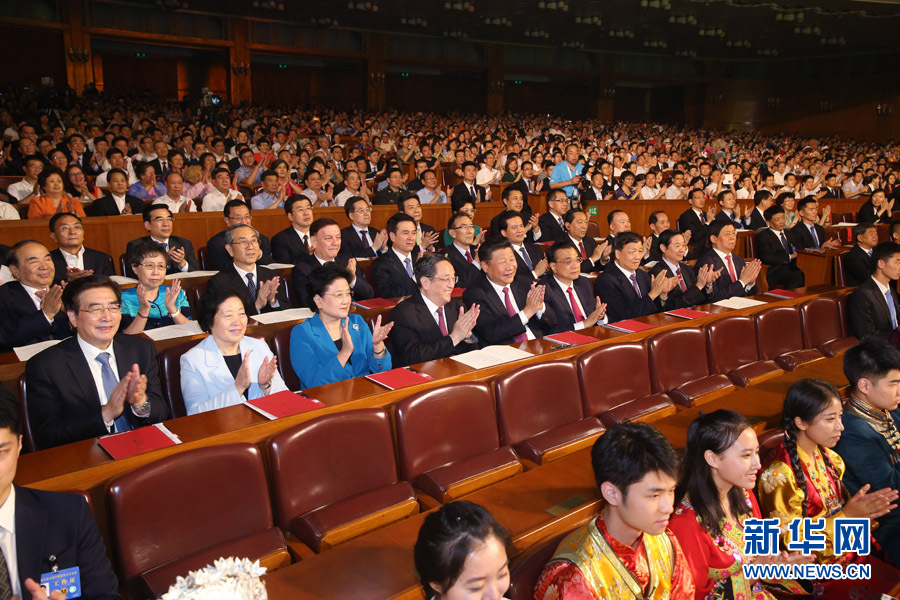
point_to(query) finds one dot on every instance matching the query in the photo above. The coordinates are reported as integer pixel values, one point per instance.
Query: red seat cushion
(535, 447)
(744, 374)
(791, 360)
(436, 482)
(687, 394)
(838, 346)
(636, 409)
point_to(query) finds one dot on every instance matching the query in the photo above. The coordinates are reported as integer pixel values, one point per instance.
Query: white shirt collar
(576, 242)
(91, 352)
(244, 273)
(461, 249)
(31, 294)
(628, 273)
(8, 512)
(721, 254)
(400, 255)
(499, 288)
(165, 241)
(564, 286)
(432, 308)
(882, 288)
(77, 255)
(672, 266)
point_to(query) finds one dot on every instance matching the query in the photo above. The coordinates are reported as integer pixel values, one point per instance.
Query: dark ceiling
(705, 28)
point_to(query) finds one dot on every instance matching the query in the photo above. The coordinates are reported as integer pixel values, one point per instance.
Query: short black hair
(861, 228)
(319, 223)
(760, 196)
(627, 452)
(884, 251)
(402, 197)
(143, 249)
(716, 227)
(557, 246)
(427, 264)
(10, 413)
(151, 207)
(292, 199)
(654, 216)
(55, 219)
(625, 238)
(871, 359)
(209, 304)
(487, 249)
(75, 288)
(505, 216)
(351, 202)
(447, 538)
(805, 202)
(12, 257)
(570, 215)
(268, 173)
(321, 277)
(665, 238)
(451, 223)
(612, 214)
(232, 204)
(772, 211)
(395, 221)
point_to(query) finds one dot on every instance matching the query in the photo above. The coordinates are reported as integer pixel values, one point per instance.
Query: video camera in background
(210, 105)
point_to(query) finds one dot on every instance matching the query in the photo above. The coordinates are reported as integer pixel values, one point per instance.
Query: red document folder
(570, 338)
(399, 378)
(457, 292)
(374, 303)
(137, 441)
(283, 404)
(688, 313)
(630, 326)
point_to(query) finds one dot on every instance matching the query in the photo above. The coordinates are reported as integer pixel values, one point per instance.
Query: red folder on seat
(138, 441)
(283, 404)
(688, 313)
(399, 378)
(570, 338)
(630, 326)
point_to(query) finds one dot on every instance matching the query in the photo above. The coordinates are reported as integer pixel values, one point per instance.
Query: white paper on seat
(170, 332)
(280, 316)
(122, 280)
(737, 302)
(23, 353)
(490, 356)
(280, 265)
(191, 274)
(846, 225)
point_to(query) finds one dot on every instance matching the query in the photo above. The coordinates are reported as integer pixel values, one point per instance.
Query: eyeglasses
(248, 243)
(243, 219)
(153, 267)
(340, 295)
(446, 280)
(466, 227)
(163, 219)
(364, 209)
(95, 310)
(570, 261)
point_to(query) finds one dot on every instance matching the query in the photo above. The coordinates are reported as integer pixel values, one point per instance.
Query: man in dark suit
(870, 420)
(392, 272)
(261, 289)
(858, 262)
(510, 311)
(873, 308)
(530, 260)
(78, 154)
(567, 293)
(468, 188)
(431, 324)
(95, 382)
(326, 242)
(762, 200)
(31, 305)
(237, 212)
(830, 187)
(738, 278)
(292, 244)
(599, 189)
(159, 223)
(462, 253)
(161, 162)
(47, 525)
(594, 256)
(426, 236)
(659, 222)
(731, 211)
(118, 201)
(626, 289)
(691, 288)
(695, 220)
(359, 240)
(808, 233)
(514, 200)
(551, 222)
(71, 259)
(774, 250)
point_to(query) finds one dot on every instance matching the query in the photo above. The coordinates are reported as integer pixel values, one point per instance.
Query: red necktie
(512, 313)
(581, 249)
(441, 323)
(731, 272)
(468, 257)
(579, 316)
(680, 280)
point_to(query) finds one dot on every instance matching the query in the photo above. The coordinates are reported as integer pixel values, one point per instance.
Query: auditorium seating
(184, 511)
(679, 367)
(768, 443)
(615, 385)
(526, 569)
(780, 338)
(281, 346)
(27, 435)
(170, 376)
(447, 441)
(203, 258)
(335, 477)
(733, 350)
(539, 412)
(840, 277)
(821, 327)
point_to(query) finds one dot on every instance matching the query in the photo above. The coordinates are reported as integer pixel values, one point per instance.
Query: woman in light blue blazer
(227, 367)
(335, 345)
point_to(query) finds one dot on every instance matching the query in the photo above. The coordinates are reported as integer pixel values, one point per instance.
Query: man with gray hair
(261, 289)
(431, 324)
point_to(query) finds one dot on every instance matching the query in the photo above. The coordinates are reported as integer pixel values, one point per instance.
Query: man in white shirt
(650, 190)
(216, 199)
(176, 202)
(854, 186)
(431, 193)
(23, 191)
(71, 259)
(570, 295)
(676, 190)
(116, 160)
(68, 533)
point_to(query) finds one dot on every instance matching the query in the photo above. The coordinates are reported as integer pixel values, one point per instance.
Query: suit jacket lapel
(31, 528)
(81, 373)
(492, 297)
(585, 294)
(426, 319)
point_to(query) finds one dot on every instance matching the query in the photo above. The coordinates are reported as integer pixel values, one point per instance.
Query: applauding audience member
(691, 288)
(71, 259)
(738, 278)
(95, 382)
(259, 288)
(463, 252)
(359, 239)
(774, 250)
(118, 201)
(31, 304)
(159, 223)
(873, 308)
(530, 260)
(858, 265)
(292, 244)
(228, 366)
(54, 198)
(150, 304)
(236, 213)
(628, 290)
(393, 270)
(334, 344)
(431, 324)
(569, 295)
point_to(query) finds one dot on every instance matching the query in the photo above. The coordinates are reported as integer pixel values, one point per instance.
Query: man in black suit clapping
(858, 264)
(551, 222)
(808, 233)
(738, 278)
(774, 250)
(568, 293)
(691, 288)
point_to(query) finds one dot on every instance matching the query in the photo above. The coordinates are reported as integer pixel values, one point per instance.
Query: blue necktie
(637, 288)
(409, 269)
(109, 384)
(892, 308)
(527, 258)
(812, 230)
(251, 285)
